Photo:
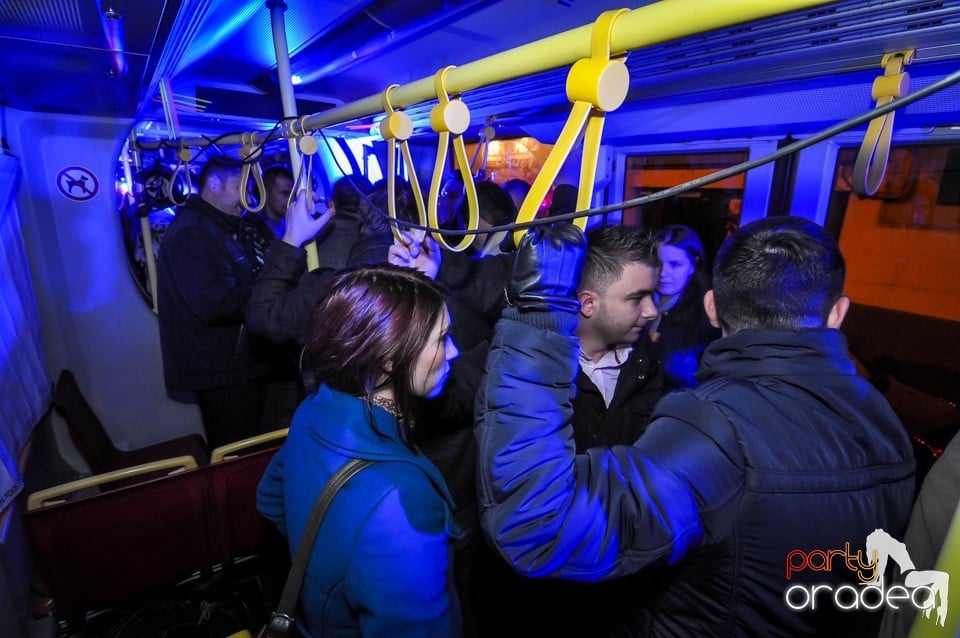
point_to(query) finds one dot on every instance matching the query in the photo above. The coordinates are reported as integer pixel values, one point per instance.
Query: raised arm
(284, 294)
(605, 513)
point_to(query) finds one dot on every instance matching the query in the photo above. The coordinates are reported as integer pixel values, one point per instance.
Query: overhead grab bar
(596, 85)
(451, 117)
(871, 164)
(645, 26)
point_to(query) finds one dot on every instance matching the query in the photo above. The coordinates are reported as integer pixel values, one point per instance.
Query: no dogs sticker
(77, 183)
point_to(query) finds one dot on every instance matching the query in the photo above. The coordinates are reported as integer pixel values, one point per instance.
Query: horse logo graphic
(884, 548)
(925, 590)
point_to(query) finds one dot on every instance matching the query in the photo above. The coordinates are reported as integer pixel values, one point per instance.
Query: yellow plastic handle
(174, 464)
(871, 165)
(247, 150)
(595, 85)
(234, 449)
(397, 126)
(451, 117)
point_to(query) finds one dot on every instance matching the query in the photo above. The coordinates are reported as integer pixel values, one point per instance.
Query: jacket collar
(381, 442)
(754, 353)
(229, 222)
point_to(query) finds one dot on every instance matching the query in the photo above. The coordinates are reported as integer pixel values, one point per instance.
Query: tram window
(712, 211)
(901, 243)
(503, 160)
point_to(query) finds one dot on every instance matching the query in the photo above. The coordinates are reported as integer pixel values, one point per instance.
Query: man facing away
(783, 447)
(204, 279)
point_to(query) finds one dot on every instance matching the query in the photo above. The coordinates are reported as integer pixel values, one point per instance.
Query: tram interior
(82, 79)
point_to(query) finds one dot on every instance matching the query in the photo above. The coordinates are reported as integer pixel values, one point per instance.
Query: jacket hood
(753, 353)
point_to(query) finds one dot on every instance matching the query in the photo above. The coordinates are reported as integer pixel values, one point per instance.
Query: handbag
(282, 620)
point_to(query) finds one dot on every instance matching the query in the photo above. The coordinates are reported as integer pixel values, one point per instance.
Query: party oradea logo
(924, 590)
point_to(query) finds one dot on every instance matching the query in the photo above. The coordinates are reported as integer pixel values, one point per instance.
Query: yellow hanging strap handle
(451, 117)
(247, 150)
(871, 165)
(595, 85)
(303, 181)
(486, 136)
(398, 127)
(183, 164)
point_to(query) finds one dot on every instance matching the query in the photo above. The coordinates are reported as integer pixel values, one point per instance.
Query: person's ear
(838, 312)
(710, 307)
(588, 302)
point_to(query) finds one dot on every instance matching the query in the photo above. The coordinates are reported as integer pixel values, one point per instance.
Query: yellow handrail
(233, 449)
(175, 464)
(645, 26)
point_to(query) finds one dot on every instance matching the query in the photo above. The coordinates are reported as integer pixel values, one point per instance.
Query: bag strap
(291, 591)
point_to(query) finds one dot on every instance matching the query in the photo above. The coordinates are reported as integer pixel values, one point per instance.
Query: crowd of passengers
(585, 435)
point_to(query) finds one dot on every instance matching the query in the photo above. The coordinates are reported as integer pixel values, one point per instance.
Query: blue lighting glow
(296, 79)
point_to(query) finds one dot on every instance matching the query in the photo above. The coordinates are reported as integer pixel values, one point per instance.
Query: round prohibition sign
(77, 183)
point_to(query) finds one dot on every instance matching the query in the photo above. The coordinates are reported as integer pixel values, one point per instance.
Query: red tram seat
(97, 550)
(143, 533)
(233, 474)
(95, 445)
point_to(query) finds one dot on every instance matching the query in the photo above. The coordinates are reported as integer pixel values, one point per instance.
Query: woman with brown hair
(378, 342)
(682, 331)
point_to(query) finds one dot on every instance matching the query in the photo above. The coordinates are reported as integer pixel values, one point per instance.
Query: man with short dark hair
(620, 380)
(278, 183)
(782, 448)
(204, 279)
(618, 383)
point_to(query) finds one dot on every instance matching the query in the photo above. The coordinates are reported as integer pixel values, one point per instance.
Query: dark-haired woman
(682, 330)
(378, 342)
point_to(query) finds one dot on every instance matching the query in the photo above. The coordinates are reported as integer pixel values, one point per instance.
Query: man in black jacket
(204, 278)
(617, 386)
(782, 456)
(620, 380)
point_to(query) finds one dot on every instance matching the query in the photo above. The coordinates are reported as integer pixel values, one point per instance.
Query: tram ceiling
(106, 57)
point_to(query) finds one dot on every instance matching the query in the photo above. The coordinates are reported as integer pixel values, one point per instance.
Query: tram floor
(214, 606)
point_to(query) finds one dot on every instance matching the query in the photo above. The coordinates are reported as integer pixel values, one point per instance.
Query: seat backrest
(99, 550)
(86, 430)
(238, 529)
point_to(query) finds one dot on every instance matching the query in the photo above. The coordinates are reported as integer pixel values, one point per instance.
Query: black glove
(547, 268)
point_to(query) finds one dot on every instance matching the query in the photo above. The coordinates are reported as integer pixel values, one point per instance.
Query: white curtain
(24, 382)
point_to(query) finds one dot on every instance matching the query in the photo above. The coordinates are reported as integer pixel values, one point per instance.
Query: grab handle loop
(451, 117)
(251, 167)
(183, 164)
(398, 127)
(871, 164)
(303, 181)
(595, 85)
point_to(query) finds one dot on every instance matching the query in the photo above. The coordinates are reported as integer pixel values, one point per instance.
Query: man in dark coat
(204, 279)
(617, 386)
(620, 380)
(782, 449)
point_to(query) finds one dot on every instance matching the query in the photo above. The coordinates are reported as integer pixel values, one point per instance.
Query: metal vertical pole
(287, 98)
